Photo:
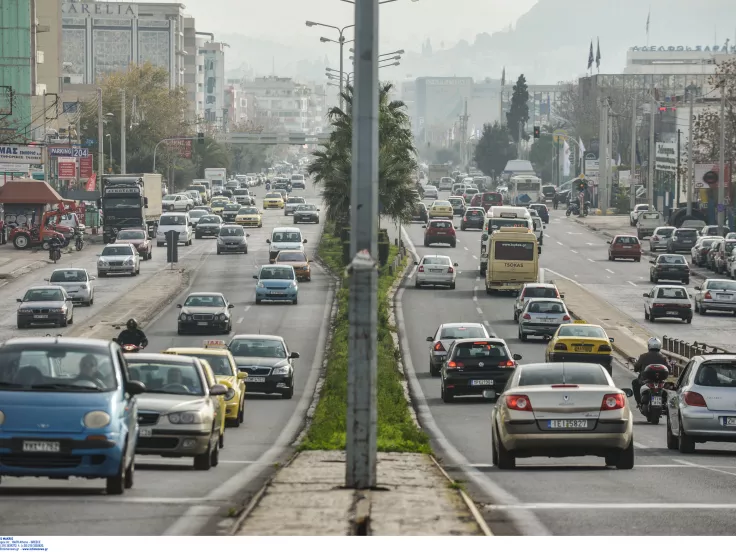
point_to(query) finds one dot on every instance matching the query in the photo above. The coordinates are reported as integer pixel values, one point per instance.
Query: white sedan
(177, 202)
(435, 270)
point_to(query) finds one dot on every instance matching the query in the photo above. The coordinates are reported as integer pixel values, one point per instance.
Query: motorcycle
(54, 252)
(653, 395)
(130, 348)
(79, 239)
(572, 208)
(586, 209)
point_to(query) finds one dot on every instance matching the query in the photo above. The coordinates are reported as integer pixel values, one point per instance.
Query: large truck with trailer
(130, 201)
(435, 172)
(217, 178)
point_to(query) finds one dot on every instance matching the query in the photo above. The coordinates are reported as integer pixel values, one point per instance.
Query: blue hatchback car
(67, 409)
(276, 282)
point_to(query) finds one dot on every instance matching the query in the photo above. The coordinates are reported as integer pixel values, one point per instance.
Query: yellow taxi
(221, 416)
(218, 205)
(249, 216)
(273, 200)
(215, 352)
(441, 209)
(581, 342)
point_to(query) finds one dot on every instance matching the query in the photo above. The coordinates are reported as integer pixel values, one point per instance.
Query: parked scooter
(653, 394)
(79, 239)
(572, 208)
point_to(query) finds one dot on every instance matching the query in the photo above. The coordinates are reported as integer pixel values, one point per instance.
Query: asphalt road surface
(667, 493)
(169, 497)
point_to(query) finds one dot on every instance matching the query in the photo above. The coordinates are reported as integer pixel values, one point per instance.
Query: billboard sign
(181, 146)
(67, 168)
(665, 159)
(706, 175)
(85, 167)
(16, 153)
(67, 151)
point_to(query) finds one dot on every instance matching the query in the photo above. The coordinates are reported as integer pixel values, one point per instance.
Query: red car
(487, 200)
(624, 247)
(440, 231)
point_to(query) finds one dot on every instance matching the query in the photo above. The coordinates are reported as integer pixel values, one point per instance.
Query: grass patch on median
(396, 429)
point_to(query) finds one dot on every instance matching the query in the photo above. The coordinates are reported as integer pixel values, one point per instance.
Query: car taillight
(519, 402)
(566, 318)
(708, 295)
(560, 347)
(605, 348)
(613, 401)
(507, 364)
(563, 385)
(527, 317)
(659, 305)
(450, 270)
(686, 306)
(452, 365)
(465, 219)
(439, 347)
(694, 399)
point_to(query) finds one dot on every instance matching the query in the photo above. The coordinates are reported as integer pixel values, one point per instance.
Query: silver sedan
(542, 317)
(76, 282)
(715, 294)
(435, 270)
(445, 335)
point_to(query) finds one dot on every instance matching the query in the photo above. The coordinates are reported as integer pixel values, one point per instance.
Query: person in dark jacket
(132, 335)
(652, 356)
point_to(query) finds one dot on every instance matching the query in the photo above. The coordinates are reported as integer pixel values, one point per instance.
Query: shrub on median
(396, 429)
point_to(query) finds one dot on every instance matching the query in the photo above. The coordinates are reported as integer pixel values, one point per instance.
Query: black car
(307, 212)
(230, 211)
(473, 218)
(458, 205)
(683, 239)
(669, 267)
(267, 361)
(541, 210)
(549, 191)
(232, 239)
(420, 213)
(208, 225)
(476, 367)
(205, 312)
(283, 185)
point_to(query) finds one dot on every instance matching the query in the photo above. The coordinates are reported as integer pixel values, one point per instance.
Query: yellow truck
(513, 260)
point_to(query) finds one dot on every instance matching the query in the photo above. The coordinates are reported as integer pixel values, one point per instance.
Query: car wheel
(685, 444)
(462, 227)
(215, 456)
(453, 244)
(218, 252)
(160, 244)
(626, 457)
(115, 485)
(689, 320)
(446, 395)
(241, 411)
(130, 474)
(506, 459)
(646, 315)
(203, 462)
(522, 336)
(433, 371)
(671, 439)
(652, 319)
(638, 259)
(198, 236)
(686, 282)
(452, 285)
(221, 440)
(289, 393)
(258, 301)
(494, 453)
(426, 243)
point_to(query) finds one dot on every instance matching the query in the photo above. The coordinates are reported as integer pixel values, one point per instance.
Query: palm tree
(396, 160)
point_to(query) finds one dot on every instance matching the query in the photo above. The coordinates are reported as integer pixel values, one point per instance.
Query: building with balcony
(193, 70)
(280, 103)
(213, 55)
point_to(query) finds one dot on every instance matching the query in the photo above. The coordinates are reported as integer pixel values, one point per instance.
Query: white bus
(525, 189)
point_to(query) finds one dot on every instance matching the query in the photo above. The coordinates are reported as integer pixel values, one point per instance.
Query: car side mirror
(178, 306)
(610, 339)
(255, 277)
(416, 263)
(609, 241)
(424, 226)
(98, 255)
(516, 356)
(562, 295)
(19, 300)
(430, 339)
(652, 262)
(455, 227)
(697, 288)
(135, 387)
(231, 306)
(268, 241)
(305, 241)
(628, 392)
(294, 355)
(455, 264)
(242, 375)
(217, 390)
(645, 295)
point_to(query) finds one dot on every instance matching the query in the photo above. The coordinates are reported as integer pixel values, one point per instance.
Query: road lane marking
(630, 282)
(480, 310)
(477, 278)
(709, 468)
(588, 243)
(476, 258)
(611, 271)
(487, 323)
(608, 505)
(465, 248)
(547, 236)
(591, 260)
(559, 243)
(573, 251)
(638, 466)
(246, 308)
(240, 320)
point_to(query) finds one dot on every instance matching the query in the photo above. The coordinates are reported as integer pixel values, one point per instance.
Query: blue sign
(90, 142)
(68, 151)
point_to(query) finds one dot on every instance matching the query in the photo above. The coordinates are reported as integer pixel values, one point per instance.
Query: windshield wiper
(65, 386)
(160, 392)
(9, 384)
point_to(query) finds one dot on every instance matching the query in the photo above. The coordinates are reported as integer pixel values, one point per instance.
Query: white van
(179, 222)
(458, 188)
(285, 237)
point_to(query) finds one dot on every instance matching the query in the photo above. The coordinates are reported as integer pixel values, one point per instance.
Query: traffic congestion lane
(569, 496)
(573, 251)
(167, 490)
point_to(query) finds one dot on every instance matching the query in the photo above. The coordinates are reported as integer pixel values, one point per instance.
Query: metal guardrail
(689, 350)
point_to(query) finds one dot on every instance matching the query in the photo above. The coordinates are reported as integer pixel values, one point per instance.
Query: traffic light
(582, 185)
(536, 132)
(200, 138)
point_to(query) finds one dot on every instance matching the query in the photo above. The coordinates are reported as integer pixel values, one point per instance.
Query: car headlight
(62, 309)
(25, 311)
(282, 371)
(229, 394)
(219, 240)
(185, 418)
(292, 285)
(96, 419)
(129, 262)
(260, 285)
(184, 316)
(102, 262)
(223, 316)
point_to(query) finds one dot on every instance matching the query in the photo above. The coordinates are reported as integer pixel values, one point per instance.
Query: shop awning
(35, 192)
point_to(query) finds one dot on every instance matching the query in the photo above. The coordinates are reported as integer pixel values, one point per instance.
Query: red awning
(36, 192)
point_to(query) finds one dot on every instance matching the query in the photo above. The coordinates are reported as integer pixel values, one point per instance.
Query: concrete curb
(35, 265)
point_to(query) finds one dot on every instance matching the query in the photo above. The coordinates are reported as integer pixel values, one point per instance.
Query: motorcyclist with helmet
(132, 335)
(652, 356)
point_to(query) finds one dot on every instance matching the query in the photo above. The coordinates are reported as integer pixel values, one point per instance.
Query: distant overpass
(273, 138)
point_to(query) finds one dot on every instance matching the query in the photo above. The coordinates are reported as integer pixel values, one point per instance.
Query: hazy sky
(404, 24)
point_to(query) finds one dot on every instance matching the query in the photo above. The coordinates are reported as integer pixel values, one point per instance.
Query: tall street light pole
(123, 167)
(690, 165)
(341, 42)
(721, 214)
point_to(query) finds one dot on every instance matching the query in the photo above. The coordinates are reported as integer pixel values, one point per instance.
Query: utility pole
(363, 292)
(100, 140)
(603, 157)
(609, 158)
(632, 174)
(690, 165)
(342, 75)
(123, 123)
(721, 215)
(677, 175)
(518, 143)
(464, 137)
(652, 155)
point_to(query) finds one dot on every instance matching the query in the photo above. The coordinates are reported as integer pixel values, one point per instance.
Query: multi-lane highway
(667, 493)
(169, 497)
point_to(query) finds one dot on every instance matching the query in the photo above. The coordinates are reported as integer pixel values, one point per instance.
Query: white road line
(638, 466)
(476, 258)
(240, 320)
(465, 248)
(480, 311)
(547, 236)
(477, 278)
(609, 506)
(246, 308)
(611, 271)
(630, 282)
(591, 260)
(486, 323)
(573, 251)
(559, 243)
(709, 468)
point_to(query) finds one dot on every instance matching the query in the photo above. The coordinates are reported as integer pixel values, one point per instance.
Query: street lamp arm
(167, 140)
(315, 24)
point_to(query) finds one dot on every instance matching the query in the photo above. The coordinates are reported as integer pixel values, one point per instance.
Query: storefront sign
(721, 49)
(67, 168)
(706, 175)
(15, 153)
(85, 167)
(14, 168)
(665, 159)
(181, 146)
(67, 151)
(86, 9)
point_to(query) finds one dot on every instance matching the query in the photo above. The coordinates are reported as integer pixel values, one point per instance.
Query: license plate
(655, 401)
(40, 316)
(567, 424)
(672, 313)
(201, 323)
(41, 446)
(255, 380)
(481, 382)
(729, 421)
(441, 233)
(723, 296)
(435, 270)
(582, 349)
(277, 293)
(627, 247)
(145, 432)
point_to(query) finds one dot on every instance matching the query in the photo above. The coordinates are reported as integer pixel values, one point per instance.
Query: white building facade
(281, 102)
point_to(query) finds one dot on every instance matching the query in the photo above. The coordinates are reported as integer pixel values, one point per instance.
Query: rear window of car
(456, 200)
(480, 349)
(722, 285)
(462, 332)
(441, 224)
(471, 191)
(671, 259)
(686, 233)
(539, 207)
(671, 293)
(626, 240)
(650, 216)
(492, 196)
(574, 330)
(539, 292)
(546, 307)
(716, 374)
(555, 374)
(480, 212)
(441, 203)
(665, 231)
(436, 261)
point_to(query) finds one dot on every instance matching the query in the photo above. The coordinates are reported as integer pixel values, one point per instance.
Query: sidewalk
(307, 497)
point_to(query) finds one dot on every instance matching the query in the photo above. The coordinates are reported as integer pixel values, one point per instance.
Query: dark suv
(473, 218)
(541, 210)
(476, 367)
(420, 213)
(439, 231)
(682, 239)
(669, 267)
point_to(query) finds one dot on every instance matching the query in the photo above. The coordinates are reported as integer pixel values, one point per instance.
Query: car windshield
(436, 261)
(68, 276)
(169, 378)
(209, 220)
(256, 347)
(291, 256)
(470, 191)
(649, 216)
(514, 251)
(58, 368)
(231, 231)
(219, 203)
(286, 237)
(556, 374)
(116, 251)
(441, 224)
(538, 207)
(197, 213)
(480, 349)
(575, 330)
(716, 374)
(306, 207)
(273, 195)
(664, 231)
(671, 259)
(492, 196)
(220, 364)
(456, 200)
(711, 230)
(688, 233)
(626, 240)
(546, 307)
(442, 204)
(462, 332)
(724, 285)
(232, 207)
(672, 293)
(707, 243)
(131, 235)
(248, 211)
(204, 301)
(43, 294)
(296, 200)
(172, 220)
(729, 246)
(277, 273)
